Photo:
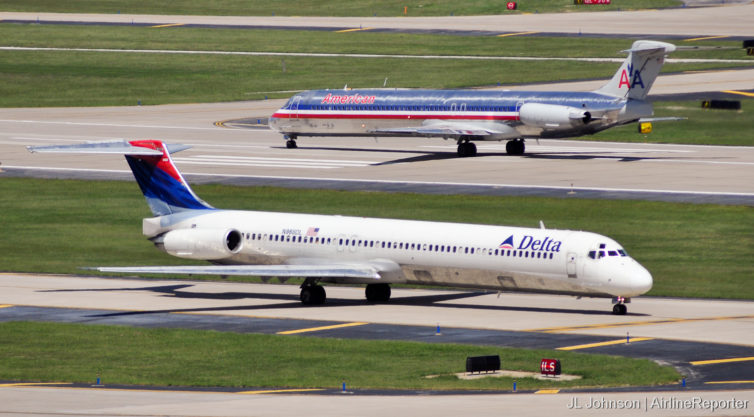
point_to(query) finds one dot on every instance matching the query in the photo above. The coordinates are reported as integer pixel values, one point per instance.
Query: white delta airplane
(477, 115)
(358, 250)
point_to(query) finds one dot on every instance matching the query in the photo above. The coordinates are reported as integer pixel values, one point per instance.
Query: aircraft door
(571, 266)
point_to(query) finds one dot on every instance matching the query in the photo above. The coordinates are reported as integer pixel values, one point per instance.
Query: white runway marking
(115, 125)
(224, 160)
(568, 149)
(367, 180)
(332, 55)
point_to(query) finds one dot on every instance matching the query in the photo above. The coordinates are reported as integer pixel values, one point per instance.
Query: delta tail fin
(165, 189)
(639, 71)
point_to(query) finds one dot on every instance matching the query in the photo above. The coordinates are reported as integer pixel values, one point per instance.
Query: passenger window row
(348, 242)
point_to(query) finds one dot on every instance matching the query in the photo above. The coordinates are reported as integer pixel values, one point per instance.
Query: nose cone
(641, 279)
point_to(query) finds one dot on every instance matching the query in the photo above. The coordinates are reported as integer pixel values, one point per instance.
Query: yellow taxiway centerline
(705, 38)
(316, 329)
(741, 93)
(548, 391)
(274, 391)
(505, 35)
(351, 30)
(169, 25)
(715, 361)
(609, 343)
(634, 323)
(728, 382)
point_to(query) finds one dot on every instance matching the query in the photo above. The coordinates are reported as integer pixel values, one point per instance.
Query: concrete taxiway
(708, 340)
(669, 330)
(40, 401)
(732, 20)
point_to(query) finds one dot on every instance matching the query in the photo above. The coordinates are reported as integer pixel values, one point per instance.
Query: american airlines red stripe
(393, 116)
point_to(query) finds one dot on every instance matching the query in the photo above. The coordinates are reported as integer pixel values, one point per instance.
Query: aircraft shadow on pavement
(292, 301)
(443, 155)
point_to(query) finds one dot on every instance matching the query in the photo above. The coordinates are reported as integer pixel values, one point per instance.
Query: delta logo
(633, 76)
(547, 244)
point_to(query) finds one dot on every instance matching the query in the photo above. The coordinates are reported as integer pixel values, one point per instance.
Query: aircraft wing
(356, 270)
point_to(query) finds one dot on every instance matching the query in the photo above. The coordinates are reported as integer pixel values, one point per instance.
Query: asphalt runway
(228, 152)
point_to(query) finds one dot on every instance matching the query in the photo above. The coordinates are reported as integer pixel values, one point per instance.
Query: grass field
(168, 357)
(702, 127)
(320, 7)
(64, 78)
(692, 250)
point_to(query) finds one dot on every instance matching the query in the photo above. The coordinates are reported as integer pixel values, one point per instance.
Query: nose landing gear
(620, 309)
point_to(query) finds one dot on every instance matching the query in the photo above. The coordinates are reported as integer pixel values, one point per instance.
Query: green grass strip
(65, 78)
(169, 357)
(692, 250)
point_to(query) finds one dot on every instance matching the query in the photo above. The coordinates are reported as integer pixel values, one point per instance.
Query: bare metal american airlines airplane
(477, 115)
(358, 250)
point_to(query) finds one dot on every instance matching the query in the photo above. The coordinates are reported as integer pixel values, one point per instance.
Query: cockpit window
(599, 254)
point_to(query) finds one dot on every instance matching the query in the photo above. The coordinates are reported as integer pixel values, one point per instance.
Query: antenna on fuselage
(541, 225)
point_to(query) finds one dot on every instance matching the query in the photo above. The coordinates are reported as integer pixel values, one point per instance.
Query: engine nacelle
(204, 244)
(553, 116)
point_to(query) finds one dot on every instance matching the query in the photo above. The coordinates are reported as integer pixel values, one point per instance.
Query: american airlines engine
(372, 251)
(478, 115)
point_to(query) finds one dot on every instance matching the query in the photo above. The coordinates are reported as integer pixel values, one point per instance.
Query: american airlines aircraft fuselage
(477, 115)
(372, 251)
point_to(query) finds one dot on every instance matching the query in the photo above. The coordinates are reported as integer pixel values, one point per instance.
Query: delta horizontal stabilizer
(165, 189)
(119, 147)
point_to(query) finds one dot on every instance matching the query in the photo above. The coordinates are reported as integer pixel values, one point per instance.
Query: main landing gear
(466, 148)
(311, 293)
(378, 293)
(515, 147)
(290, 142)
(314, 294)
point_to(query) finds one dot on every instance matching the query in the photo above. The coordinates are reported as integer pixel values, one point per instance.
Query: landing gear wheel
(515, 147)
(620, 309)
(291, 144)
(313, 295)
(378, 293)
(466, 149)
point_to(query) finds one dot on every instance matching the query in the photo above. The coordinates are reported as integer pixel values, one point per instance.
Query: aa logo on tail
(633, 76)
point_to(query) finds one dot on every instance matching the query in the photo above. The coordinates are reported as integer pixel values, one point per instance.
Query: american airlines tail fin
(165, 189)
(638, 72)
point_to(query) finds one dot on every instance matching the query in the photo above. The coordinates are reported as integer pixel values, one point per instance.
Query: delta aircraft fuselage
(405, 251)
(378, 252)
